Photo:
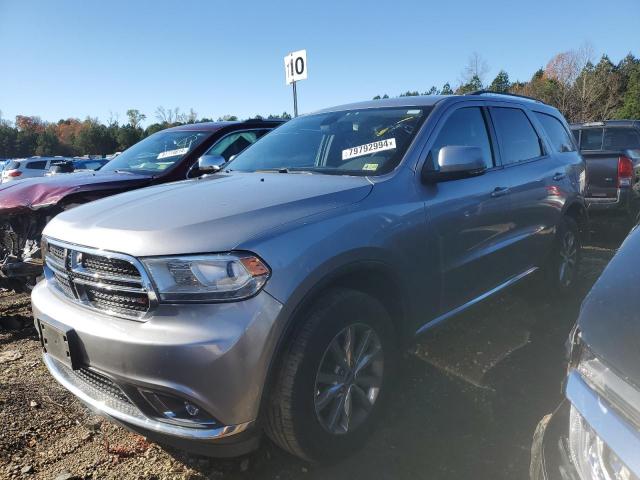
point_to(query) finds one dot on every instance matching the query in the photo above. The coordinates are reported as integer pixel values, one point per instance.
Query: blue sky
(75, 58)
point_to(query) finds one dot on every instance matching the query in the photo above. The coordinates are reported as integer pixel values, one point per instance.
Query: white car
(26, 168)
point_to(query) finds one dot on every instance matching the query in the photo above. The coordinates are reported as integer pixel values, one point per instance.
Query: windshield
(157, 152)
(355, 142)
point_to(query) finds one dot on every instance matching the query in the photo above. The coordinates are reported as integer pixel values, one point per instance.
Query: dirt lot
(470, 396)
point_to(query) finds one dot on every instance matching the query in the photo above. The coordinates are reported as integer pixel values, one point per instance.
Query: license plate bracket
(59, 342)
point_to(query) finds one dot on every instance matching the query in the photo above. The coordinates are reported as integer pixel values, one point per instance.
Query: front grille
(57, 253)
(123, 301)
(99, 388)
(112, 283)
(101, 383)
(110, 266)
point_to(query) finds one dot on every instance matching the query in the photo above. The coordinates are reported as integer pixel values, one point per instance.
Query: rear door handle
(500, 192)
(559, 176)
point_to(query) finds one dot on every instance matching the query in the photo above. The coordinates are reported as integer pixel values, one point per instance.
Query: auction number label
(360, 150)
(173, 153)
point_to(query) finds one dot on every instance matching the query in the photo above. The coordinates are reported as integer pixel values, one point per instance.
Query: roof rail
(265, 120)
(483, 92)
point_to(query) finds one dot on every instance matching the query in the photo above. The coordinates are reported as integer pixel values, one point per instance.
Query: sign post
(295, 69)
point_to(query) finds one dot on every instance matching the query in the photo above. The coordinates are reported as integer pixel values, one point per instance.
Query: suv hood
(214, 214)
(34, 193)
(609, 321)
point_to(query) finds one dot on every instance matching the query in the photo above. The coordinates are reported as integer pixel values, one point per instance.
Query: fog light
(177, 409)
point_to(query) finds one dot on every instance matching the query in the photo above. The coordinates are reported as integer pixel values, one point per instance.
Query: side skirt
(438, 320)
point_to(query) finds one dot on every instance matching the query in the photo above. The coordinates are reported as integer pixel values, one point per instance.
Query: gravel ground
(467, 403)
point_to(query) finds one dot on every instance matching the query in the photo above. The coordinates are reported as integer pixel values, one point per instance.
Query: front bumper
(551, 457)
(215, 356)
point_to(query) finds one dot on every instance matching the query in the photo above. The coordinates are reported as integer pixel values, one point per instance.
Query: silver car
(273, 295)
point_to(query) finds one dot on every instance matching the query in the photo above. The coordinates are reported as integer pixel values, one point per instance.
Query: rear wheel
(562, 271)
(334, 377)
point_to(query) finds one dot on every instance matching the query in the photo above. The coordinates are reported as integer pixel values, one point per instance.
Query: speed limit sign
(295, 66)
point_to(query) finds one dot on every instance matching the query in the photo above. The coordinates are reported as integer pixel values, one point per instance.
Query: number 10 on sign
(295, 69)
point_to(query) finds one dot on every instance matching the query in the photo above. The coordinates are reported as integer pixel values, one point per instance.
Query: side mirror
(455, 162)
(210, 164)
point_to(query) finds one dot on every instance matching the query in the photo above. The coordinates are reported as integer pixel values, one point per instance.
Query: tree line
(582, 89)
(30, 135)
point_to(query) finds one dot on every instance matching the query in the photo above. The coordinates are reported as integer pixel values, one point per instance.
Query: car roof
(215, 126)
(432, 100)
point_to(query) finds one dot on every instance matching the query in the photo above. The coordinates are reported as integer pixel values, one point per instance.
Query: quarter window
(40, 165)
(591, 139)
(234, 143)
(560, 138)
(517, 138)
(465, 127)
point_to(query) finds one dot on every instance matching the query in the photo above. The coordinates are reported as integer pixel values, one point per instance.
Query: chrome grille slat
(108, 282)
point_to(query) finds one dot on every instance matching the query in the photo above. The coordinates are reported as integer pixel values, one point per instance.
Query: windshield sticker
(413, 112)
(373, 147)
(370, 166)
(173, 153)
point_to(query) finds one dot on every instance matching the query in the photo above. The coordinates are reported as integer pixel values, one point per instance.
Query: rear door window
(517, 138)
(591, 139)
(620, 138)
(560, 138)
(39, 165)
(465, 127)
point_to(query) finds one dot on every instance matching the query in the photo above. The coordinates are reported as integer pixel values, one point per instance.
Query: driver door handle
(500, 192)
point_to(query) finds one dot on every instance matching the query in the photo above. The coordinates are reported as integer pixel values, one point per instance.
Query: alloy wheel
(568, 259)
(349, 379)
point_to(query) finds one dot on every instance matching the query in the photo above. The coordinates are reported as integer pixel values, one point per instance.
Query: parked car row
(169, 155)
(266, 287)
(273, 294)
(20, 169)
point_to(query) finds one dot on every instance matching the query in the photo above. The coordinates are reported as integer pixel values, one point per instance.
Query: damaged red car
(178, 153)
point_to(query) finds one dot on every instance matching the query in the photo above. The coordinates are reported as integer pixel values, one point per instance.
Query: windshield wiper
(273, 170)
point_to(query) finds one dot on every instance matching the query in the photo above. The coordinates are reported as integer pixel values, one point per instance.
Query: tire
(299, 414)
(562, 271)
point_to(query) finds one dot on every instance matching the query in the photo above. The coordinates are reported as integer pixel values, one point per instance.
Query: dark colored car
(169, 155)
(274, 295)
(611, 151)
(595, 433)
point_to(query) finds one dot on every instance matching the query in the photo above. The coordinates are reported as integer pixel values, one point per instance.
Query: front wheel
(334, 377)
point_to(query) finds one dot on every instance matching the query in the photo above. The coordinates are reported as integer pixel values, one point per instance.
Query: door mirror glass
(455, 162)
(210, 164)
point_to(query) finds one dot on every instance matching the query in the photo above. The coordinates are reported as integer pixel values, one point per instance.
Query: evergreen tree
(446, 89)
(631, 99)
(501, 83)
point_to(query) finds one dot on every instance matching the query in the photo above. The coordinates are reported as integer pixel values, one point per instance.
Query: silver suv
(273, 295)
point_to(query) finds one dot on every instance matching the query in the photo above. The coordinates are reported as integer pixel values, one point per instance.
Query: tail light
(625, 171)
(14, 173)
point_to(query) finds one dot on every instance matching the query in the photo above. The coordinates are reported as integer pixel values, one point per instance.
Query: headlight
(593, 459)
(589, 453)
(202, 278)
(609, 385)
